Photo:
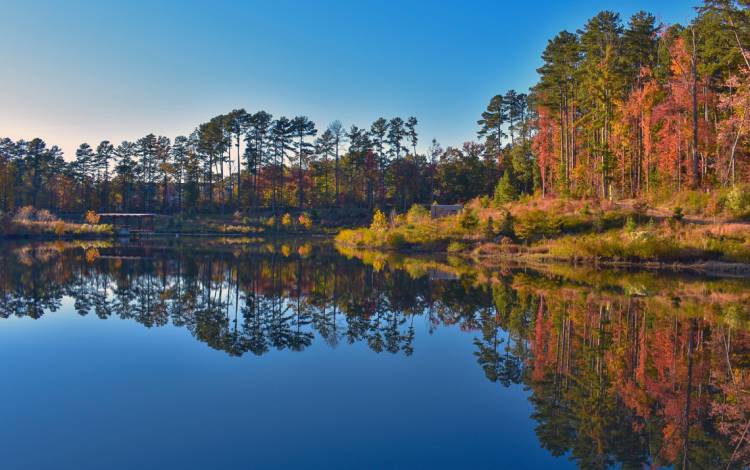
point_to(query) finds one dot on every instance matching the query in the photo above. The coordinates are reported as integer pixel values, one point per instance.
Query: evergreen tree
(411, 133)
(491, 124)
(104, 153)
(396, 134)
(337, 129)
(302, 127)
(126, 170)
(505, 191)
(84, 170)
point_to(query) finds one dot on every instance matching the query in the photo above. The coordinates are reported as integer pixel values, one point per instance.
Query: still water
(264, 355)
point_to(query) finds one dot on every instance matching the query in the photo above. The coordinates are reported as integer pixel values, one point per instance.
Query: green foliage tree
(505, 191)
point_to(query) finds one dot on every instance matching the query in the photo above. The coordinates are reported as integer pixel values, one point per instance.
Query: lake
(230, 353)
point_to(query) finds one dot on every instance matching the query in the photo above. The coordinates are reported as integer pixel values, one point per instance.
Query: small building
(129, 224)
(442, 210)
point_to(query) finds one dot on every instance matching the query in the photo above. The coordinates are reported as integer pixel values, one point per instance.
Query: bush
(379, 221)
(585, 209)
(44, 215)
(24, 214)
(597, 222)
(489, 229)
(468, 219)
(395, 240)
(506, 225)
(505, 192)
(677, 214)
(417, 214)
(286, 220)
(59, 228)
(630, 224)
(92, 218)
(271, 222)
(537, 224)
(738, 201)
(455, 247)
(641, 208)
(305, 221)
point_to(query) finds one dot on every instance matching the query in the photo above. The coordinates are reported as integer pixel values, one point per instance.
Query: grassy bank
(565, 230)
(27, 222)
(30, 223)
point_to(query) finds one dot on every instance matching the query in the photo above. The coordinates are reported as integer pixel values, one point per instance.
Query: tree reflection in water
(622, 369)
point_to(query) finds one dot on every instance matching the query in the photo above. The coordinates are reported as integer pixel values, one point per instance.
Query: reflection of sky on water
(92, 393)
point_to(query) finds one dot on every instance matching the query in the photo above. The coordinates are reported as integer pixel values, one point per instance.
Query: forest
(621, 110)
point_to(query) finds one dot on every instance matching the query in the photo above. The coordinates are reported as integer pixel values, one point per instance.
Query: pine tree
(505, 191)
(491, 125)
(84, 169)
(337, 129)
(104, 153)
(302, 127)
(411, 133)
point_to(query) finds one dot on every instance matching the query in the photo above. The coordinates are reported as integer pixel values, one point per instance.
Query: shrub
(59, 228)
(641, 208)
(393, 218)
(91, 254)
(484, 202)
(489, 229)
(695, 201)
(396, 240)
(506, 225)
(455, 247)
(505, 192)
(92, 218)
(738, 201)
(379, 221)
(597, 222)
(468, 219)
(305, 250)
(271, 221)
(44, 215)
(677, 214)
(630, 224)
(305, 220)
(417, 214)
(286, 250)
(286, 220)
(585, 209)
(536, 224)
(24, 214)
(574, 223)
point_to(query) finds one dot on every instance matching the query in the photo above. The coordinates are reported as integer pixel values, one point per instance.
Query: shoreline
(520, 259)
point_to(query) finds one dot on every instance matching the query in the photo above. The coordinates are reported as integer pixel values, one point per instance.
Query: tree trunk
(694, 91)
(338, 197)
(239, 172)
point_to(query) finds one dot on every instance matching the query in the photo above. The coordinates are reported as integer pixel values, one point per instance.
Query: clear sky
(74, 71)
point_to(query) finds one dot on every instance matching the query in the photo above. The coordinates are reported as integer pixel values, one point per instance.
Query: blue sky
(75, 71)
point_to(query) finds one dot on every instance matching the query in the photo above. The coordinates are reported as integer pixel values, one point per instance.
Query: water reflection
(623, 369)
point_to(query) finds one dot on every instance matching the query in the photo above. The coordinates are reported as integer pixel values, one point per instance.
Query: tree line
(237, 160)
(242, 161)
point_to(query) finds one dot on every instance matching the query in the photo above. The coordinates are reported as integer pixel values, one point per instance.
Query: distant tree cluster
(243, 161)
